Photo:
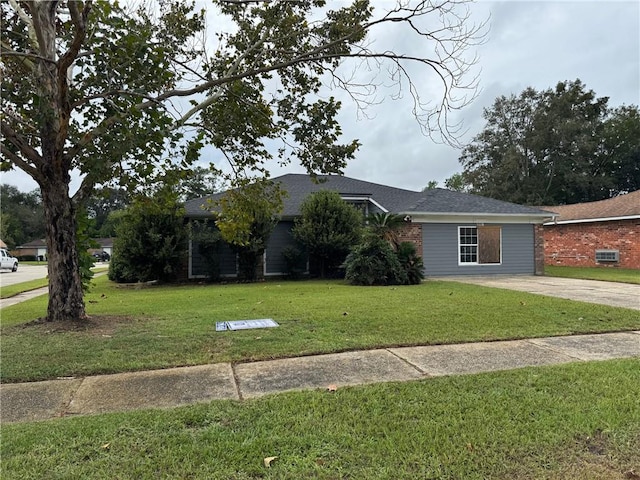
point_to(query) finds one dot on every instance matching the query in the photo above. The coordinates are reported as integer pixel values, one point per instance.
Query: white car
(7, 261)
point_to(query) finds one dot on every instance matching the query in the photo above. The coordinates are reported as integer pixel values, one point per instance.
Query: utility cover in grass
(245, 324)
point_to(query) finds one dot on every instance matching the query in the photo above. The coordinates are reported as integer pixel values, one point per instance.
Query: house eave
(592, 220)
(475, 218)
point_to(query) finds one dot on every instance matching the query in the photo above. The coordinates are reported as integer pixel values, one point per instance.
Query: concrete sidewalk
(23, 402)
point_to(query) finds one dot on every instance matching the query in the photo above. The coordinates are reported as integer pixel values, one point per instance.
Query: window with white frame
(479, 244)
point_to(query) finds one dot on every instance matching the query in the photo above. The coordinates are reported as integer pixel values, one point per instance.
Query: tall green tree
(199, 182)
(110, 90)
(559, 146)
(621, 149)
(101, 204)
(22, 218)
(328, 227)
(246, 217)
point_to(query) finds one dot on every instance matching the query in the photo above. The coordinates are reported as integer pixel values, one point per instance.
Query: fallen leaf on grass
(631, 475)
(267, 461)
(106, 446)
(332, 388)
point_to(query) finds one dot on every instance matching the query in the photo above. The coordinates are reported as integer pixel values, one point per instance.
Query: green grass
(623, 275)
(175, 325)
(576, 421)
(11, 290)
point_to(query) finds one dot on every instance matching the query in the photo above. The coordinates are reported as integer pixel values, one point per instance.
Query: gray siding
(226, 259)
(440, 251)
(280, 239)
(227, 262)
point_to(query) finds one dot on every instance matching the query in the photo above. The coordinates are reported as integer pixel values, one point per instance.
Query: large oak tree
(557, 146)
(107, 90)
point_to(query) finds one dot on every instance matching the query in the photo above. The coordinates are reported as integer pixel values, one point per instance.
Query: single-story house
(38, 248)
(105, 245)
(35, 249)
(602, 233)
(456, 233)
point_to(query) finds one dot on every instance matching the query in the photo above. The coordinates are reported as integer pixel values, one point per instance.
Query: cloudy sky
(529, 43)
(533, 44)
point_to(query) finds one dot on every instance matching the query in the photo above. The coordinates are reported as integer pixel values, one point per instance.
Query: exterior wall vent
(607, 256)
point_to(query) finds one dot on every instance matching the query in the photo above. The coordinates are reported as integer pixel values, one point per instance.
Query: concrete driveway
(604, 293)
(25, 273)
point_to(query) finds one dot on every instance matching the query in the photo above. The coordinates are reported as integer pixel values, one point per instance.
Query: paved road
(24, 274)
(605, 293)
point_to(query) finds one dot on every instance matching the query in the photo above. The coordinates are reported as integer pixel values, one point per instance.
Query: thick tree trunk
(65, 286)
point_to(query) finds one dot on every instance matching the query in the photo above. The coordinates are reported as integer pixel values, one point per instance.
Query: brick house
(605, 233)
(455, 233)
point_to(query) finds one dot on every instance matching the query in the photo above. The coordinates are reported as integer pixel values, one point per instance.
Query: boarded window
(489, 244)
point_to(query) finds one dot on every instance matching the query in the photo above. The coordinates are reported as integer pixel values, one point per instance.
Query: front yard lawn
(574, 421)
(623, 275)
(158, 327)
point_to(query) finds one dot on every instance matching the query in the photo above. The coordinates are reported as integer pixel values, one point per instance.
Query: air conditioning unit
(607, 256)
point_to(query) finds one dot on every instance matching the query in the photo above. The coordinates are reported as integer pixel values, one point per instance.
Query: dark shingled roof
(395, 200)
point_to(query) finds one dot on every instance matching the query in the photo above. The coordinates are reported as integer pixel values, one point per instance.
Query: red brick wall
(411, 232)
(538, 249)
(576, 244)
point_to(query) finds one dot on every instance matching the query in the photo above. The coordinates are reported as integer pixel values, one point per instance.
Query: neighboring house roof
(436, 201)
(39, 243)
(622, 207)
(104, 242)
(2, 244)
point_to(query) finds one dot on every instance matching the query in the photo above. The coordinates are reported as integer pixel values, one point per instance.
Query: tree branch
(79, 21)
(22, 145)
(27, 21)
(20, 163)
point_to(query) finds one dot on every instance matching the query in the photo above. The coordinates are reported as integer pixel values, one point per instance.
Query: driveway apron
(614, 294)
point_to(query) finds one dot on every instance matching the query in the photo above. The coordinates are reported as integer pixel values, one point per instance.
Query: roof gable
(40, 242)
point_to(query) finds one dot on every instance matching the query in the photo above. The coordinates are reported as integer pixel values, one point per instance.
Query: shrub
(208, 241)
(150, 243)
(328, 228)
(374, 262)
(411, 262)
(294, 261)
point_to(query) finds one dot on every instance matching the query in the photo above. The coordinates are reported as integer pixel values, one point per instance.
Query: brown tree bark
(65, 285)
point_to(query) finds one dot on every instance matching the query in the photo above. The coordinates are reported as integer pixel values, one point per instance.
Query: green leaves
(553, 147)
(246, 217)
(328, 228)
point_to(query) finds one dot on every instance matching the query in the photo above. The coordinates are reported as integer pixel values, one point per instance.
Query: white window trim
(476, 263)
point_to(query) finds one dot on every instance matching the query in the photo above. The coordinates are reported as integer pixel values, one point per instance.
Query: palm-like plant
(385, 226)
